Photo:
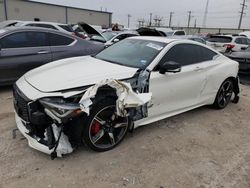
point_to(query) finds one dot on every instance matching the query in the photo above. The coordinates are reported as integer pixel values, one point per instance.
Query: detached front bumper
(63, 146)
(33, 143)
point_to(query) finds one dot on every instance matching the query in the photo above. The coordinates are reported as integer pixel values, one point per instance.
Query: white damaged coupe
(98, 99)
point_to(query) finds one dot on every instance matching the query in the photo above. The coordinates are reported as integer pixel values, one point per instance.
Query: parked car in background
(175, 33)
(49, 25)
(24, 48)
(8, 23)
(227, 43)
(243, 57)
(87, 30)
(190, 37)
(135, 82)
(111, 37)
(245, 33)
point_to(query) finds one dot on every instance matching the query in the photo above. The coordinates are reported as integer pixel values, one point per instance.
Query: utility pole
(170, 18)
(242, 12)
(5, 9)
(150, 20)
(195, 23)
(205, 15)
(189, 19)
(129, 16)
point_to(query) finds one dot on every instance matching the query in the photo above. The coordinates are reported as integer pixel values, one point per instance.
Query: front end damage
(49, 123)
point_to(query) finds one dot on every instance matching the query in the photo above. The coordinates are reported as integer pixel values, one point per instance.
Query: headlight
(59, 106)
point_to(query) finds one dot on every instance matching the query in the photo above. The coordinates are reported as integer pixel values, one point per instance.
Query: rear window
(220, 39)
(67, 28)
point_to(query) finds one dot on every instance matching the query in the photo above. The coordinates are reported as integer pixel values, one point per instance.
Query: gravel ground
(202, 148)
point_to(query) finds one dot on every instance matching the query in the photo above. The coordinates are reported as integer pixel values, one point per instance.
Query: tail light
(229, 46)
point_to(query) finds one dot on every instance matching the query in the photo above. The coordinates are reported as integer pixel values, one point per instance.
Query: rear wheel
(103, 129)
(224, 94)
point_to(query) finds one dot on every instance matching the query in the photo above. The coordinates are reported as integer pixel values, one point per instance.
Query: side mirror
(116, 40)
(170, 66)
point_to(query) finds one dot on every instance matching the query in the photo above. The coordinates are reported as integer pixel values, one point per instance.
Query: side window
(238, 41)
(206, 54)
(185, 54)
(244, 41)
(59, 40)
(25, 39)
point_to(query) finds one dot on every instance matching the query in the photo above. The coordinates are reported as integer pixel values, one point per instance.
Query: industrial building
(31, 10)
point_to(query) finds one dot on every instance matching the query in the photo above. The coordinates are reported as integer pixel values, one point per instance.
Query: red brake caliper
(95, 127)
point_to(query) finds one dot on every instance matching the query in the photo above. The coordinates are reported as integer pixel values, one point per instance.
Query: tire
(102, 130)
(224, 94)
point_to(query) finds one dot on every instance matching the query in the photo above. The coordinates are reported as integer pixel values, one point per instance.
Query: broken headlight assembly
(60, 109)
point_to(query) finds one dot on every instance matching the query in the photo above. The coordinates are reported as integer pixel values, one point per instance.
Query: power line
(242, 12)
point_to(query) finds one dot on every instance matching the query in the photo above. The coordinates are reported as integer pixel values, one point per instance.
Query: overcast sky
(222, 13)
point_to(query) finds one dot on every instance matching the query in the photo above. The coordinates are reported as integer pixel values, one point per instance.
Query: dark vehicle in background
(8, 23)
(190, 37)
(25, 48)
(243, 57)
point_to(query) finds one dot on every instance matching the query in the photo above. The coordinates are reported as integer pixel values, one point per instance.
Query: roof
(28, 28)
(66, 6)
(40, 22)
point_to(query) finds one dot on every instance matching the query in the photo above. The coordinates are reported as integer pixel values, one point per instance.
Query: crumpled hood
(75, 72)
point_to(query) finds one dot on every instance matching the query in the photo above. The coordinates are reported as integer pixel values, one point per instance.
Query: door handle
(42, 52)
(198, 68)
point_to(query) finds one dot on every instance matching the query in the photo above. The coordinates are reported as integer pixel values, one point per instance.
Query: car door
(21, 52)
(177, 92)
(62, 46)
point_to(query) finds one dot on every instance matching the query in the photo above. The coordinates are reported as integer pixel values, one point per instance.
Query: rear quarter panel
(224, 68)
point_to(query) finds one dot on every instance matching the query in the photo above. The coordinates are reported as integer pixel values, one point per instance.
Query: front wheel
(224, 94)
(103, 129)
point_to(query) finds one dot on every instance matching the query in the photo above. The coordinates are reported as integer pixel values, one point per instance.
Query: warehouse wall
(90, 17)
(26, 10)
(23, 10)
(2, 12)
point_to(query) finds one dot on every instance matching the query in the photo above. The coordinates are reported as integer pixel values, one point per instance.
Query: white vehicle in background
(138, 81)
(245, 33)
(111, 37)
(227, 43)
(49, 25)
(176, 33)
(169, 32)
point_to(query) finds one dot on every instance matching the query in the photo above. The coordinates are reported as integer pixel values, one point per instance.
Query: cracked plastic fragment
(127, 98)
(64, 146)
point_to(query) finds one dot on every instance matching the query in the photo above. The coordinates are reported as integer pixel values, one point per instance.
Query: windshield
(67, 28)
(132, 52)
(109, 35)
(169, 33)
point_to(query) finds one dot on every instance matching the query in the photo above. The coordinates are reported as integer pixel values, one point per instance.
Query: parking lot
(201, 148)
